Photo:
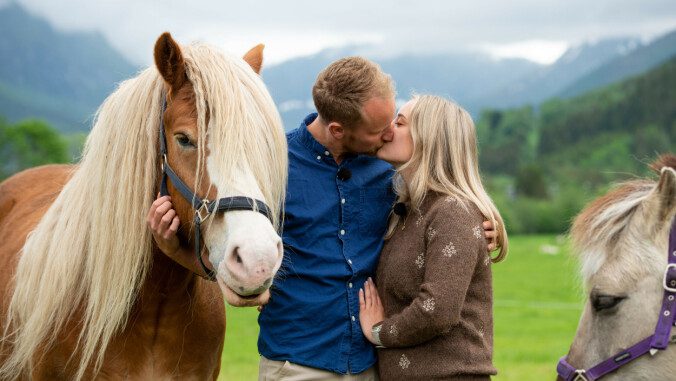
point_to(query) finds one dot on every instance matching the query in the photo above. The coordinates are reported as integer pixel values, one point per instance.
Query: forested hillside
(58, 76)
(545, 162)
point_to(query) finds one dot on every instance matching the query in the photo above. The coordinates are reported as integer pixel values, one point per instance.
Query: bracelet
(375, 334)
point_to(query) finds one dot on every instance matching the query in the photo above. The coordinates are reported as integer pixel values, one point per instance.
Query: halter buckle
(668, 287)
(580, 375)
(164, 160)
(203, 211)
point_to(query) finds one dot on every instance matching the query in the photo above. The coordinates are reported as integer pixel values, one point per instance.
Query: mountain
(641, 105)
(58, 76)
(550, 80)
(634, 62)
(461, 76)
(543, 163)
(475, 80)
(64, 76)
(594, 138)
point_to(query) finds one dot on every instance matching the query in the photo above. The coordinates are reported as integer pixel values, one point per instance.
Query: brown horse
(87, 294)
(622, 240)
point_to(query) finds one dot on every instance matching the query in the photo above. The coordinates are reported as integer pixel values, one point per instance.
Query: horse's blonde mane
(91, 251)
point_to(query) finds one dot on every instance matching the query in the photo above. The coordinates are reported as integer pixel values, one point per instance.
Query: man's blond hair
(342, 88)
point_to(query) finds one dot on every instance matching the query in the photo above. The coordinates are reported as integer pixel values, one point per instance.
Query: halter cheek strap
(203, 207)
(652, 344)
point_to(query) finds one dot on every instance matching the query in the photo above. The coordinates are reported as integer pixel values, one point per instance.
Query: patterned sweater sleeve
(454, 239)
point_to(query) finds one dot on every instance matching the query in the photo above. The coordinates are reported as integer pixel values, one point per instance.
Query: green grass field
(537, 306)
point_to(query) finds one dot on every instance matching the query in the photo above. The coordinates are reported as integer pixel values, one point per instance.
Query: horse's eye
(184, 141)
(602, 302)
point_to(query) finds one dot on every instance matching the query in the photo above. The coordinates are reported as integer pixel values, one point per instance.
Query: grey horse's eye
(601, 302)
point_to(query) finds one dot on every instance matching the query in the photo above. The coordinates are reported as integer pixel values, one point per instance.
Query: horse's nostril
(237, 257)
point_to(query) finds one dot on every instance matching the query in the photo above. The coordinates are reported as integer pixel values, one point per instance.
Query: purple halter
(651, 344)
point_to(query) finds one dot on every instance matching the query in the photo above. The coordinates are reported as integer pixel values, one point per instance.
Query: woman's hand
(490, 234)
(371, 310)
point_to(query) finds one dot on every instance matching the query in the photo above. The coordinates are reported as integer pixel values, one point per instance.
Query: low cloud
(534, 29)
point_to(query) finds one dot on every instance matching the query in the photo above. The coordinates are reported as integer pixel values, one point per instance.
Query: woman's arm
(454, 241)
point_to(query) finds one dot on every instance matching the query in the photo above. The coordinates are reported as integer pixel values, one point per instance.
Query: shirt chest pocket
(298, 202)
(375, 206)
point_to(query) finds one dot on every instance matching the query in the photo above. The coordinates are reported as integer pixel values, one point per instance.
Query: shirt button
(349, 285)
(319, 157)
(349, 261)
(326, 153)
(353, 319)
(342, 200)
(342, 232)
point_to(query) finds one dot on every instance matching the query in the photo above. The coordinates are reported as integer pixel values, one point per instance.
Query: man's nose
(388, 134)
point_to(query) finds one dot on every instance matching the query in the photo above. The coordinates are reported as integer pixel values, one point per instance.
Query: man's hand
(371, 310)
(262, 305)
(163, 223)
(490, 234)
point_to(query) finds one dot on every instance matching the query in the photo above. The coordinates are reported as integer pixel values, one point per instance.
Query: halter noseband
(651, 344)
(203, 207)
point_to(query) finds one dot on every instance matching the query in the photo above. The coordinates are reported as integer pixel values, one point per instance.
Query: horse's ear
(665, 194)
(254, 57)
(169, 61)
(660, 206)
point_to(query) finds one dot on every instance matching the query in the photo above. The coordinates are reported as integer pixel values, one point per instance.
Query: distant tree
(530, 182)
(650, 141)
(76, 142)
(29, 143)
(5, 153)
(507, 139)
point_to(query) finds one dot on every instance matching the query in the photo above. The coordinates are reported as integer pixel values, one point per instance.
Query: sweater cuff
(375, 334)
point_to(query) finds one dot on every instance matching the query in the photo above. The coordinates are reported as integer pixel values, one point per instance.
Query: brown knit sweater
(434, 279)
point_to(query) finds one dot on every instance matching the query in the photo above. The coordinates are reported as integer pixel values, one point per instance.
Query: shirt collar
(306, 137)
(313, 145)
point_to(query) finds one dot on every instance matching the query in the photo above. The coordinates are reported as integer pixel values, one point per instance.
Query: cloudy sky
(540, 30)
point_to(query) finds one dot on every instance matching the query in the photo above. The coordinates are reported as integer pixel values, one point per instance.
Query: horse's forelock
(243, 119)
(599, 226)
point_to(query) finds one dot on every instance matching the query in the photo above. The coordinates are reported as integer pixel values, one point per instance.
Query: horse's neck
(174, 306)
(167, 283)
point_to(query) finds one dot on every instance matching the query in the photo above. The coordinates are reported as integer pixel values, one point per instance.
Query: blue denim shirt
(333, 231)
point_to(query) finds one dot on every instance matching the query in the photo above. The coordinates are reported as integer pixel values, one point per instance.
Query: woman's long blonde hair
(445, 161)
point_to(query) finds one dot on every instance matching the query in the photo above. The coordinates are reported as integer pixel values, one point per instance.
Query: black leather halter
(203, 207)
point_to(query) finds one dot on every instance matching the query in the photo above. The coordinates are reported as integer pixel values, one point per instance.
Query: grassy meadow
(538, 302)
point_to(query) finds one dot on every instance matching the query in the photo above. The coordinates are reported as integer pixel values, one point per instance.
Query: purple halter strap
(651, 344)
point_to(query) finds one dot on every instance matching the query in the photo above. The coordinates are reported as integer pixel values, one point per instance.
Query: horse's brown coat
(176, 328)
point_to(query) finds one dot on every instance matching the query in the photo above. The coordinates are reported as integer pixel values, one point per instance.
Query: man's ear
(337, 130)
